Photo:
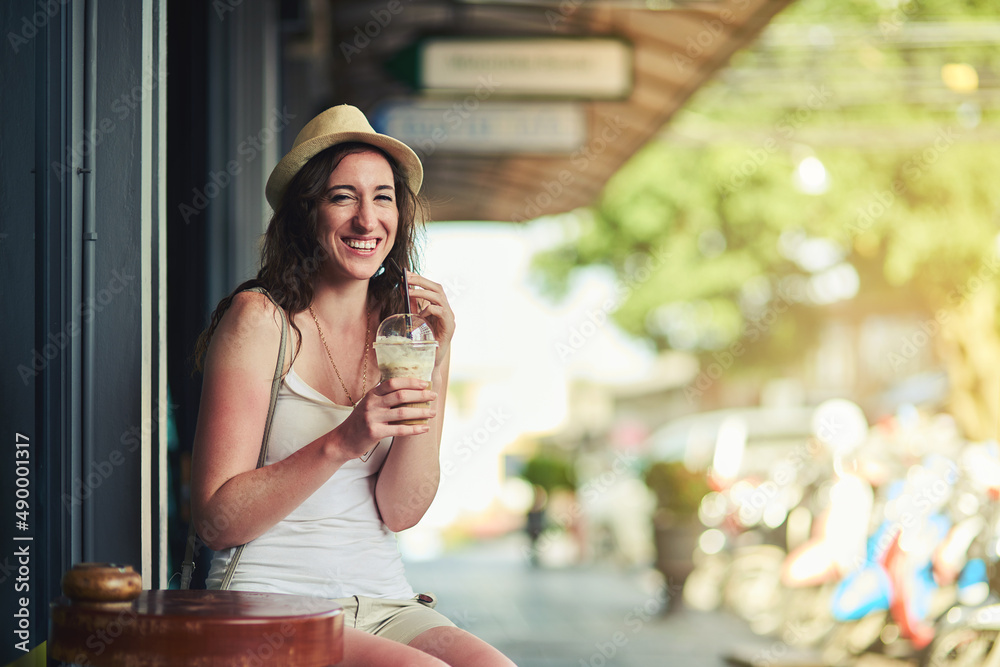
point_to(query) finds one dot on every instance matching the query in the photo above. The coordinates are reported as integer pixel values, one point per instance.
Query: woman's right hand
(372, 418)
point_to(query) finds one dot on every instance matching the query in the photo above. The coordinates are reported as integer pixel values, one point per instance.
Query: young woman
(339, 479)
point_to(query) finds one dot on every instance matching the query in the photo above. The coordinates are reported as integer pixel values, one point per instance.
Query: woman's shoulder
(254, 308)
(251, 320)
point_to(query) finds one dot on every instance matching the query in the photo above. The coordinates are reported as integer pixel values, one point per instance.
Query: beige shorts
(398, 620)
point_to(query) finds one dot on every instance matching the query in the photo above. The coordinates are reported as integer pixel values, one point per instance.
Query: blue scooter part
(973, 583)
(879, 542)
(860, 593)
(973, 573)
(921, 592)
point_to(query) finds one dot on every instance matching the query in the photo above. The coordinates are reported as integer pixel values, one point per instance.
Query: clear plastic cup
(405, 347)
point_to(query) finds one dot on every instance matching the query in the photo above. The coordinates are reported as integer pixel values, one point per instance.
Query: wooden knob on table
(101, 582)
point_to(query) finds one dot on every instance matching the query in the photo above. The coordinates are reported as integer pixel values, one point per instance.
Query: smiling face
(357, 217)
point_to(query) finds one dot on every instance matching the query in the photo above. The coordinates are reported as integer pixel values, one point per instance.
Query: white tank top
(334, 544)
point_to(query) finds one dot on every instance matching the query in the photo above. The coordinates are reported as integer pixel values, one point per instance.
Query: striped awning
(675, 50)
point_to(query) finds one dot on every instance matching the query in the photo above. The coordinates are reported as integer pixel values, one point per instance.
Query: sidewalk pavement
(591, 615)
(578, 616)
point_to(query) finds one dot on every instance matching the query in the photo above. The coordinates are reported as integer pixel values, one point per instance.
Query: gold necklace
(364, 380)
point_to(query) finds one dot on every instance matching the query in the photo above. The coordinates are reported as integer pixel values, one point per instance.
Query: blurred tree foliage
(895, 210)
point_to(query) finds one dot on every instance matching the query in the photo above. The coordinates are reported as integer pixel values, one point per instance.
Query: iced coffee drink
(405, 347)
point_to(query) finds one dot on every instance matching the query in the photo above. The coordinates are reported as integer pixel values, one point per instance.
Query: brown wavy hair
(291, 253)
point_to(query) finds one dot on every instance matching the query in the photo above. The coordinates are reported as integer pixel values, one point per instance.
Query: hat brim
(296, 158)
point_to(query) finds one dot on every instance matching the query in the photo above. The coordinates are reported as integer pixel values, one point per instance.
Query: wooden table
(198, 629)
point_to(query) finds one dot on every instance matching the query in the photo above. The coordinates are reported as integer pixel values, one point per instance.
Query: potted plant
(548, 475)
(676, 527)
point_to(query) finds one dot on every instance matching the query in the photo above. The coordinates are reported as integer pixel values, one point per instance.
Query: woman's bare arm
(411, 473)
(233, 502)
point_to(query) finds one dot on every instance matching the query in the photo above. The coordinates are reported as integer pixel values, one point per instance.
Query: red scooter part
(906, 596)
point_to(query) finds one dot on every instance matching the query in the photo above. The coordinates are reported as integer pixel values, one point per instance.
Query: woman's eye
(384, 198)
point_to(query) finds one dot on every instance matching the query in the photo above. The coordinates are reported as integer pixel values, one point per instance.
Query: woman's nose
(367, 217)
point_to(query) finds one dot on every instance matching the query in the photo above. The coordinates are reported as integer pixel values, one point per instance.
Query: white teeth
(361, 245)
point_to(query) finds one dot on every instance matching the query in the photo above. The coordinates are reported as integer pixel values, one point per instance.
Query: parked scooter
(888, 603)
(917, 585)
(837, 546)
(814, 570)
(969, 632)
(757, 518)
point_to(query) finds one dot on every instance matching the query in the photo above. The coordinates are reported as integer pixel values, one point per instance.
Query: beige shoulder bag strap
(187, 568)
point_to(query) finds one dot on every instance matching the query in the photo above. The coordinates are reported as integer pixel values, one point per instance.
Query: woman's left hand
(428, 300)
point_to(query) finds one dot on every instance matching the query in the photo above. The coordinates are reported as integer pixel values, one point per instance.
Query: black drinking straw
(406, 294)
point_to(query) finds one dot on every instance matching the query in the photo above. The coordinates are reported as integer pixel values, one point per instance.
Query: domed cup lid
(405, 326)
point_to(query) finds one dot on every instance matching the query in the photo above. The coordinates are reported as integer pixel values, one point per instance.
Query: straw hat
(334, 126)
